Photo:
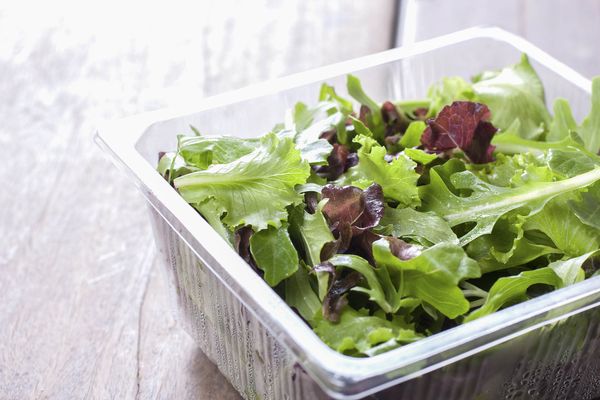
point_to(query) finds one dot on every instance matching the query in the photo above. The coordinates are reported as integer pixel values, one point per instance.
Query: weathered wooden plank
(83, 309)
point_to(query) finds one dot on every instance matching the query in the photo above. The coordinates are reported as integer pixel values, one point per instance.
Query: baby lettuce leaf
(568, 163)
(212, 211)
(590, 127)
(171, 165)
(358, 332)
(510, 143)
(202, 151)
(254, 189)
(563, 123)
(447, 91)
(373, 118)
(587, 209)
(507, 246)
(487, 202)
(515, 93)
(432, 276)
(513, 289)
(564, 228)
(274, 254)
(424, 228)
(350, 205)
(300, 295)
(305, 132)
(397, 178)
(412, 136)
(378, 290)
(312, 232)
(462, 125)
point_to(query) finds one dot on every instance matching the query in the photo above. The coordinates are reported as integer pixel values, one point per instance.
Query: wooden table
(84, 309)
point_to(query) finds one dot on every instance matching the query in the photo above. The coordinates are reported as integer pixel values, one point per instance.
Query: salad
(383, 223)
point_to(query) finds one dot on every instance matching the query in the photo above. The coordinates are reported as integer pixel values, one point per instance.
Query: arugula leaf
(425, 228)
(488, 202)
(274, 254)
(510, 143)
(254, 189)
(513, 289)
(359, 332)
(397, 178)
(515, 93)
(433, 276)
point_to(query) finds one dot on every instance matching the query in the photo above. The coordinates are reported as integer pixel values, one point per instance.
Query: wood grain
(84, 309)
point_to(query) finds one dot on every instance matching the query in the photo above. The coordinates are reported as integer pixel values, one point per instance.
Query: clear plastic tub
(548, 347)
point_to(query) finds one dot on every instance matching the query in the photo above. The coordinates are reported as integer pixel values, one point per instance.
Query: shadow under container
(545, 348)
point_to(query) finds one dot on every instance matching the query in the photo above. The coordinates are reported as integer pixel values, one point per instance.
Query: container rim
(338, 375)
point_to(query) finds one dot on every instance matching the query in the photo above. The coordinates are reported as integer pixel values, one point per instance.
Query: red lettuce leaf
(464, 125)
(339, 285)
(338, 162)
(360, 209)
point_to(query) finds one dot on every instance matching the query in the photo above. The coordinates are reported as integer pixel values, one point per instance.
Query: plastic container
(548, 347)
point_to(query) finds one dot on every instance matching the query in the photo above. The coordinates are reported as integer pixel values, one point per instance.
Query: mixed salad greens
(387, 222)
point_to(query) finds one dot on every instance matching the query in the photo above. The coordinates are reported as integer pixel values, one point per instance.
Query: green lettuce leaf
(561, 225)
(213, 211)
(587, 209)
(433, 276)
(300, 295)
(563, 123)
(590, 127)
(171, 165)
(254, 189)
(507, 246)
(412, 136)
(487, 202)
(513, 289)
(447, 91)
(397, 178)
(203, 151)
(312, 232)
(358, 332)
(515, 93)
(407, 223)
(374, 119)
(274, 254)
